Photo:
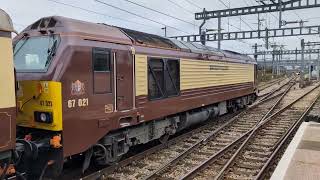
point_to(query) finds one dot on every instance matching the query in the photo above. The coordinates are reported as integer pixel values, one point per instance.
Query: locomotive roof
(5, 22)
(127, 36)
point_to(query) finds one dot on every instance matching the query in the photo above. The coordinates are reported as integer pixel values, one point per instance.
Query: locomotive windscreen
(35, 53)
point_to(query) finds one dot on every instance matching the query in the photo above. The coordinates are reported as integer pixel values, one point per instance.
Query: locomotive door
(124, 80)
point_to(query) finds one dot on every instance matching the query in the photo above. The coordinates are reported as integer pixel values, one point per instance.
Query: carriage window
(163, 78)
(156, 78)
(101, 58)
(172, 77)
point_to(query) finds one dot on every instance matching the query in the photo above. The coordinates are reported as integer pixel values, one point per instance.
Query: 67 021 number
(78, 103)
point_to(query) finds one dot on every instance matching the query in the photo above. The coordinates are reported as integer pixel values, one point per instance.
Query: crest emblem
(77, 88)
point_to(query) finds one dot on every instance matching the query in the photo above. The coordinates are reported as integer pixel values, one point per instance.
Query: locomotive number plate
(78, 102)
(46, 103)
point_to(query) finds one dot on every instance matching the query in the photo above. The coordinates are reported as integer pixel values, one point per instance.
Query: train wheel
(105, 156)
(164, 139)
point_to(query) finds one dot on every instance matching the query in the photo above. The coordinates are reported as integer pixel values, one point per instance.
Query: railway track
(214, 145)
(265, 93)
(271, 92)
(151, 164)
(253, 154)
(270, 83)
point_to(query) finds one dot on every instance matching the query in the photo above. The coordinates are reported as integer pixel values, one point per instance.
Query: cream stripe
(7, 89)
(141, 75)
(201, 74)
(198, 74)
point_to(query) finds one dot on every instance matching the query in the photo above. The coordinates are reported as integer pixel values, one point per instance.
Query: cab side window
(101, 66)
(101, 59)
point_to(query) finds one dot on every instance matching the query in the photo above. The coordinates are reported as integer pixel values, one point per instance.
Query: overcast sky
(25, 12)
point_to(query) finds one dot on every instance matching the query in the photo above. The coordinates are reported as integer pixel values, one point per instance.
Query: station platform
(302, 157)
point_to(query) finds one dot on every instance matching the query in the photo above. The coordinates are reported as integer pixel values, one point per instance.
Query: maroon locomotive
(97, 90)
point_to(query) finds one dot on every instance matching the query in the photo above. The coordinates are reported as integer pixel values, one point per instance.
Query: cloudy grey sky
(25, 12)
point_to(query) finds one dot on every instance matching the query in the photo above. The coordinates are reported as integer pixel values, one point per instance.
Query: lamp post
(165, 31)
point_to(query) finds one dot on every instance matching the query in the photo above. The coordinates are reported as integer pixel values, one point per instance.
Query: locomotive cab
(39, 101)
(39, 98)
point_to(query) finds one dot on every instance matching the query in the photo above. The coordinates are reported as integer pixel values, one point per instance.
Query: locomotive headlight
(43, 117)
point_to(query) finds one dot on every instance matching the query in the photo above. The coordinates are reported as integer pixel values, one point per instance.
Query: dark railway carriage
(7, 95)
(97, 90)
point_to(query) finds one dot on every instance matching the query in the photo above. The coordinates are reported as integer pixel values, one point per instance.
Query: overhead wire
(95, 12)
(222, 2)
(240, 18)
(151, 9)
(140, 16)
(181, 6)
(194, 4)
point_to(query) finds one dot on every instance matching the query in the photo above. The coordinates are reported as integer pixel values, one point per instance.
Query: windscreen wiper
(51, 52)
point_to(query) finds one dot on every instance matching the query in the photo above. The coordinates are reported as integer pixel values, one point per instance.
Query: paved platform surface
(302, 157)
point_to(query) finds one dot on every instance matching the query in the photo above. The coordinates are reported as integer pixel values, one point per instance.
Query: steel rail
(211, 135)
(214, 157)
(269, 84)
(283, 140)
(267, 95)
(232, 160)
(109, 170)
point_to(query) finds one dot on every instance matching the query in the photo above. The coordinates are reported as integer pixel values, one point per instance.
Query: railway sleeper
(248, 165)
(262, 145)
(190, 141)
(199, 158)
(268, 136)
(220, 143)
(273, 131)
(239, 129)
(241, 173)
(254, 159)
(258, 154)
(264, 141)
(206, 152)
(225, 139)
(244, 125)
(281, 125)
(258, 148)
(222, 161)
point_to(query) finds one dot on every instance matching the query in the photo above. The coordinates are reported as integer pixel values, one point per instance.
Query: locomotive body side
(7, 93)
(201, 83)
